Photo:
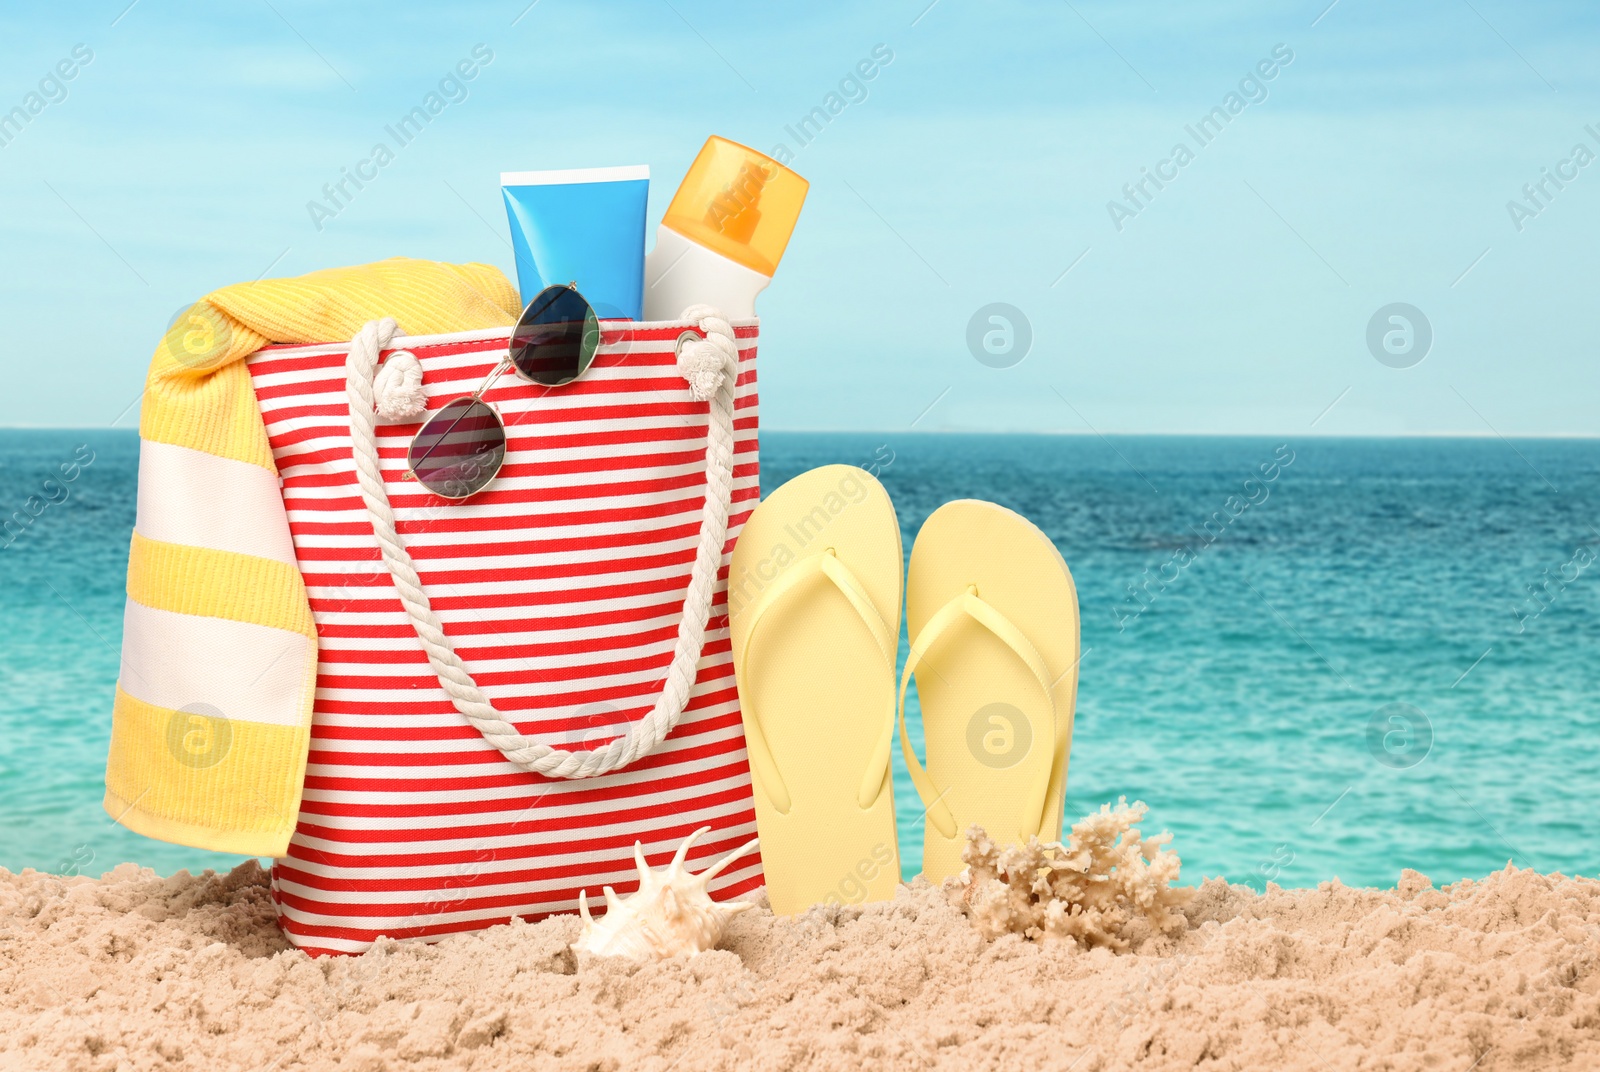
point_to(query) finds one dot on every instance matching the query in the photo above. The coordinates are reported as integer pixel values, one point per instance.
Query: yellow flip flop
(814, 607)
(993, 616)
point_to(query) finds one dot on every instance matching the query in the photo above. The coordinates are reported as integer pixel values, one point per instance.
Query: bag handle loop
(710, 365)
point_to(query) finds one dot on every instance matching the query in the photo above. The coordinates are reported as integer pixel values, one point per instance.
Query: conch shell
(670, 916)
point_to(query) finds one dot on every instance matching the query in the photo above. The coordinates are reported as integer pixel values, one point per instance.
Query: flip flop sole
(990, 740)
(818, 684)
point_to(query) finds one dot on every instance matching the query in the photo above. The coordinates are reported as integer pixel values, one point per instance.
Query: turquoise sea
(1385, 656)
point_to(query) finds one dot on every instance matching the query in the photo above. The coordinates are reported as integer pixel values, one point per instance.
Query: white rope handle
(711, 367)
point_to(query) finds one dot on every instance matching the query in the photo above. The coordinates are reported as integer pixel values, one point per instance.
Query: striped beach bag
(569, 592)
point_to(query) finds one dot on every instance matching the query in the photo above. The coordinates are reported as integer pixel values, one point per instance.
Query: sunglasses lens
(459, 449)
(556, 338)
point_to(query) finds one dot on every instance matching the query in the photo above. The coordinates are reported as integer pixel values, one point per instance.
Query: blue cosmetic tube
(584, 226)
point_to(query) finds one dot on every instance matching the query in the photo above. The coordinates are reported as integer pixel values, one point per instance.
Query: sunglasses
(459, 450)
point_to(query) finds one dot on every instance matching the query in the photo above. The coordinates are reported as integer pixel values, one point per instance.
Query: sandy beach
(666, 537)
(135, 971)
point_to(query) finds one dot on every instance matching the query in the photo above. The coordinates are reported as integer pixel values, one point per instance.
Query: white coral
(1107, 885)
(671, 915)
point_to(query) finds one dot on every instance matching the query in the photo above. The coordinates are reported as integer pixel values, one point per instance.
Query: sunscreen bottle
(723, 234)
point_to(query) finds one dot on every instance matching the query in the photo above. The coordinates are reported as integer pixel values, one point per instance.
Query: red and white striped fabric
(561, 586)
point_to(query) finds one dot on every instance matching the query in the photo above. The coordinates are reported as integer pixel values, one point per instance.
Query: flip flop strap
(968, 604)
(761, 758)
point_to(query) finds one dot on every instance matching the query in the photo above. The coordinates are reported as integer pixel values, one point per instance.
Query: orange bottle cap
(739, 203)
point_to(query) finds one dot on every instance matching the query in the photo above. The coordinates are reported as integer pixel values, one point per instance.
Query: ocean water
(1386, 655)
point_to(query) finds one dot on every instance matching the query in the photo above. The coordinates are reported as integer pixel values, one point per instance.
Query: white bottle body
(679, 273)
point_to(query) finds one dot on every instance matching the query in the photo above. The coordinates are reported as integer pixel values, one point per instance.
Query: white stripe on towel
(190, 497)
(247, 672)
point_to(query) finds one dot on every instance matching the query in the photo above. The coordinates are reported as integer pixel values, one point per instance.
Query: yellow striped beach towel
(213, 705)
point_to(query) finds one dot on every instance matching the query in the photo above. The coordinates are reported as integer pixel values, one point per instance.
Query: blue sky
(976, 168)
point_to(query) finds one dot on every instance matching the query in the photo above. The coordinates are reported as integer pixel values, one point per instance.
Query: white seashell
(670, 916)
